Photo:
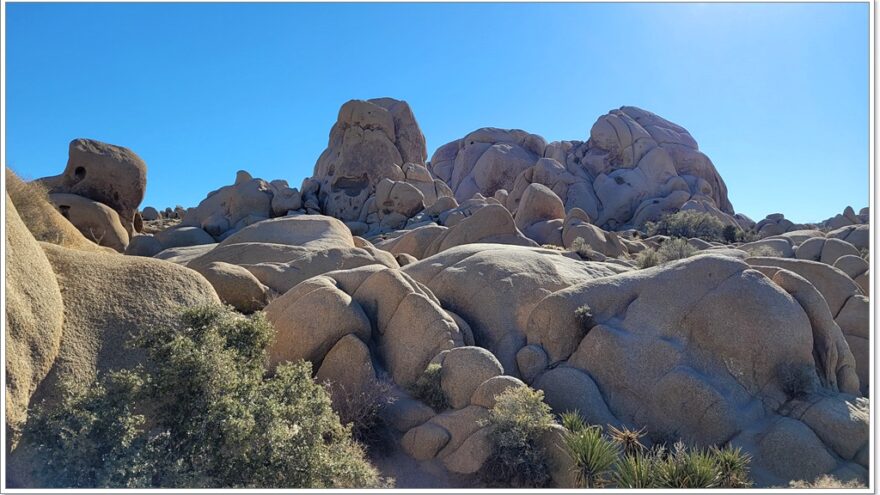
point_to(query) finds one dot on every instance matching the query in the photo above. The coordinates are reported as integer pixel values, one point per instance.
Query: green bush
(687, 224)
(517, 421)
(762, 250)
(428, 390)
(203, 413)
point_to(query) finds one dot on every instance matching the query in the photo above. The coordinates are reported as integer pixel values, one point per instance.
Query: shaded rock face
(371, 140)
(635, 167)
(106, 173)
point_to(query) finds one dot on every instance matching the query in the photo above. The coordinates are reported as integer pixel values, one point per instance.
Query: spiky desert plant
(685, 468)
(593, 455)
(572, 421)
(733, 466)
(634, 471)
(629, 440)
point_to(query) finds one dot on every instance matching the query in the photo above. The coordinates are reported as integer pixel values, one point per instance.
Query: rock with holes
(370, 141)
(106, 173)
(97, 221)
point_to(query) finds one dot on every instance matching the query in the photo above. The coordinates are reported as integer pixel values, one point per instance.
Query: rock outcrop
(106, 173)
(635, 167)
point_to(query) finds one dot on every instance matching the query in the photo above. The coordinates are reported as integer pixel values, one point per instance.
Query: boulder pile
(503, 262)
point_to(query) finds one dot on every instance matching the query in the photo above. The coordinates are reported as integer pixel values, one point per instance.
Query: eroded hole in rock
(79, 173)
(352, 186)
(619, 180)
(65, 211)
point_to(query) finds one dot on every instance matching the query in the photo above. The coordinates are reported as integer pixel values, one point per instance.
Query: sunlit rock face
(635, 167)
(371, 140)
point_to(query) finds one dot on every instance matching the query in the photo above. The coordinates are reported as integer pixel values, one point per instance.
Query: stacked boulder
(635, 167)
(100, 190)
(848, 217)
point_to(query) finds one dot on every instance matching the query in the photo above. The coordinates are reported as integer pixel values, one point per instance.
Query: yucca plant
(634, 471)
(733, 467)
(628, 439)
(593, 454)
(572, 421)
(687, 469)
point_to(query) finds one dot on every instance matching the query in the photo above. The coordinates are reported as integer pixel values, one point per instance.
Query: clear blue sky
(775, 94)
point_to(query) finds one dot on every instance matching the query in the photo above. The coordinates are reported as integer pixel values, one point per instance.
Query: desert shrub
(671, 250)
(730, 234)
(687, 224)
(31, 200)
(517, 421)
(203, 412)
(362, 411)
(553, 247)
(428, 390)
(584, 316)
(580, 246)
(797, 379)
(762, 250)
(826, 481)
(593, 455)
(675, 249)
(865, 253)
(647, 258)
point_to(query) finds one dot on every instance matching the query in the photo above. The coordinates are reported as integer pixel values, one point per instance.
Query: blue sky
(775, 94)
